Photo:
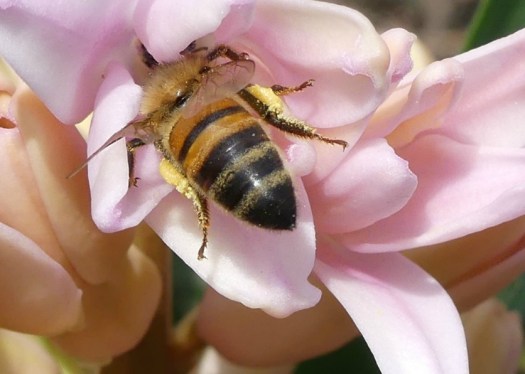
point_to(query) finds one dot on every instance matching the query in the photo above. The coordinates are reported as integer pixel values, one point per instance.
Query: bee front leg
(131, 146)
(147, 58)
(225, 51)
(175, 177)
(282, 90)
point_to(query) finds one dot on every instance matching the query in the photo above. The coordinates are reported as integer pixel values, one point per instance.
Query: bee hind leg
(282, 90)
(201, 205)
(175, 177)
(299, 128)
(267, 103)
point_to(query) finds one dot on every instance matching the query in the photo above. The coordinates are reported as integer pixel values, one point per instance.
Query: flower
(353, 68)
(461, 134)
(392, 190)
(61, 277)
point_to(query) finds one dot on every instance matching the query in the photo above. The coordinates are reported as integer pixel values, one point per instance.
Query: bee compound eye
(181, 99)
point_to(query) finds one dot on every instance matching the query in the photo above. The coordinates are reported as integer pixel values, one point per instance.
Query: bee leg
(299, 128)
(193, 48)
(131, 146)
(203, 214)
(147, 58)
(175, 177)
(225, 51)
(270, 107)
(281, 90)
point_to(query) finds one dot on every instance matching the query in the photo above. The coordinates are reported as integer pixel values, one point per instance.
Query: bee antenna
(192, 48)
(128, 130)
(110, 141)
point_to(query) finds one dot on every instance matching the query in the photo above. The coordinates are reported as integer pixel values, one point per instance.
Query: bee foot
(133, 182)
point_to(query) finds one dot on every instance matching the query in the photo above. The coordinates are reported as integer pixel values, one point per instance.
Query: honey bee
(206, 118)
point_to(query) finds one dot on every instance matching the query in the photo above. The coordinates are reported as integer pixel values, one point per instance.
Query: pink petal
(299, 40)
(53, 151)
(406, 317)
(254, 338)
(302, 158)
(370, 184)
(311, 159)
(490, 256)
(237, 22)
(462, 189)
(399, 42)
(259, 268)
(71, 45)
(491, 110)
(37, 295)
(473, 254)
(470, 291)
(419, 103)
(166, 27)
(24, 200)
(330, 157)
(118, 313)
(115, 206)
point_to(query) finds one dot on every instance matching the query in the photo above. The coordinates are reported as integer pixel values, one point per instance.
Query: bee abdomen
(205, 123)
(272, 205)
(245, 174)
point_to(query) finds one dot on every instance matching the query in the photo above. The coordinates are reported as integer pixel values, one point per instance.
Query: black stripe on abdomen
(228, 150)
(203, 124)
(273, 206)
(246, 173)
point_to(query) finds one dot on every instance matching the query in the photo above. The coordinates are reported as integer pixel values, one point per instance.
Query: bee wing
(127, 131)
(220, 82)
(227, 79)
